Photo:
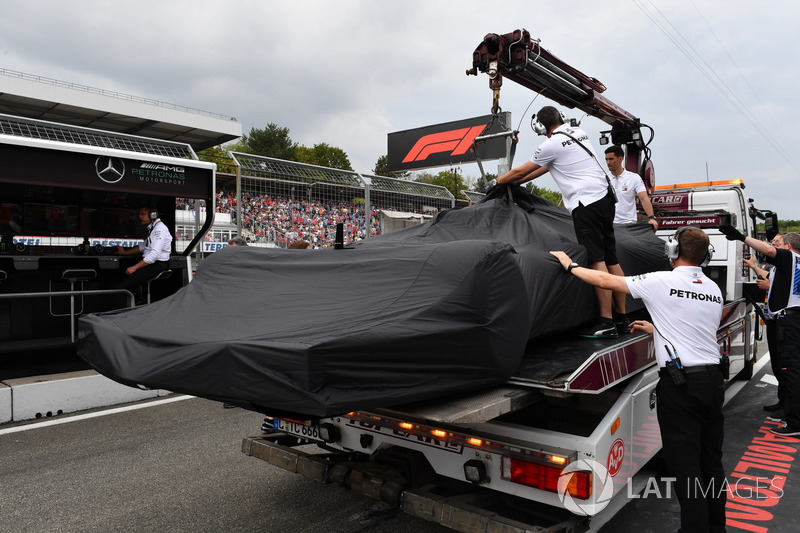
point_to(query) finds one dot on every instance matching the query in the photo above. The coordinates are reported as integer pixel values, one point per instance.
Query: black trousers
(788, 340)
(775, 358)
(594, 229)
(135, 281)
(692, 428)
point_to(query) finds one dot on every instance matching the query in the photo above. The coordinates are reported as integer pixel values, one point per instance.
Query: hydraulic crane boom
(521, 59)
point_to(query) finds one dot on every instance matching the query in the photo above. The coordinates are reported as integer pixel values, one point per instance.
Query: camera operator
(764, 283)
(784, 304)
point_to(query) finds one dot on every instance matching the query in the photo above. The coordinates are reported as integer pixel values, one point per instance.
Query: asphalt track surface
(172, 467)
(177, 466)
(763, 472)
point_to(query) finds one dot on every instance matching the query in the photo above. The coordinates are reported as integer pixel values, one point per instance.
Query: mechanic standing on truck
(588, 196)
(686, 308)
(155, 250)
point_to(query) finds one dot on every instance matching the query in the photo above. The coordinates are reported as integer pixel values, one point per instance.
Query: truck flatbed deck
(558, 366)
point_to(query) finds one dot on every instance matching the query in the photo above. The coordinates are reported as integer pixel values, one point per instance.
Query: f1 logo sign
(450, 143)
(456, 142)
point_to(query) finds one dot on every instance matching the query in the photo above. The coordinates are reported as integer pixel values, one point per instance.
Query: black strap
(610, 187)
(756, 307)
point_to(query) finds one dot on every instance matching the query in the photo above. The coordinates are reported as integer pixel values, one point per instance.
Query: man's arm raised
(596, 278)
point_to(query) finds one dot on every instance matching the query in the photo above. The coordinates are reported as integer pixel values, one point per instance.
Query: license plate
(310, 431)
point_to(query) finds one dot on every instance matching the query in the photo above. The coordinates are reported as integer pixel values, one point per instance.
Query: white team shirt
(628, 185)
(686, 308)
(578, 175)
(156, 247)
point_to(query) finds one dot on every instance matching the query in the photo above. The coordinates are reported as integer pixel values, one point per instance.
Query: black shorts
(594, 228)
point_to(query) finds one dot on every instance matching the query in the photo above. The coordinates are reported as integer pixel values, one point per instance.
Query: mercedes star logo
(109, 169)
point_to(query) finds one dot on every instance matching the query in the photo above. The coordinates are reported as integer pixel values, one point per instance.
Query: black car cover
(440, 308)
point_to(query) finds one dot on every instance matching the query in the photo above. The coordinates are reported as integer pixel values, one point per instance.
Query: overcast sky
(348, 72)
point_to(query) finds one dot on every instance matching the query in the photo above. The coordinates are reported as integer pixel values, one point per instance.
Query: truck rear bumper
(456, 505)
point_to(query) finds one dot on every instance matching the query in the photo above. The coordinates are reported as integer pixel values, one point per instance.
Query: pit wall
(41, 397)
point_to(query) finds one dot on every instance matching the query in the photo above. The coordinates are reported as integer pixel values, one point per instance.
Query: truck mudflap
(405, 480)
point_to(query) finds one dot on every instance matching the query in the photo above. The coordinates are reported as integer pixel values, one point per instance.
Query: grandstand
(273, 202)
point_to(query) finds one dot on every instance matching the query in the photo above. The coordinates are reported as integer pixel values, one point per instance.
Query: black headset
(673, 247)
(540, 128)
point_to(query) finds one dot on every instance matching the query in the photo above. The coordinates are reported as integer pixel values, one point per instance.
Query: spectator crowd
(284, 220)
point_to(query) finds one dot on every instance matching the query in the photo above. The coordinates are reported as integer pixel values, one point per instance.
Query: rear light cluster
(535, 468)
(546, 477)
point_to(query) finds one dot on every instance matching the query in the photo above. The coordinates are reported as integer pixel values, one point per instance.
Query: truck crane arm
(520, 58)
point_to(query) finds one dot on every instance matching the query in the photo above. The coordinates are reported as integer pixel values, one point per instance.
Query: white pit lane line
(67, 419)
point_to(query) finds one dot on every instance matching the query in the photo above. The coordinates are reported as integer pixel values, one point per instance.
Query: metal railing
(112, 94)
(72, 295)
(52, 131)
(292, 180)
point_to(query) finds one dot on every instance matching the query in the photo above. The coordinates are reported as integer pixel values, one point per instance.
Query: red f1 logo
(456, 142)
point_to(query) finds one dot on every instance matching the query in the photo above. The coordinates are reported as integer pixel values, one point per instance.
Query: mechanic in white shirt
(629, 186)
(686, 308)
(569, 157)
(155, 250)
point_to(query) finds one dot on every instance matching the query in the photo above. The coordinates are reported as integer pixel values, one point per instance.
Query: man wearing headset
(588, 196)
(784, 303)
(155, 250)
(686, 308)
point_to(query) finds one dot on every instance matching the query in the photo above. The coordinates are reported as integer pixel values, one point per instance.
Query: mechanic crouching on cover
(686, 307)
(155, 250)
(784, 303)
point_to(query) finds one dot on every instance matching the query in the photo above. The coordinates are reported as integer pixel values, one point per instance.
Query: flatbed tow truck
(552, 447)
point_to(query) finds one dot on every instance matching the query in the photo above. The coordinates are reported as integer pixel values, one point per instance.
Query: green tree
(272, 141)
(478, 184)
(381, 167)
(323, 155)
(451, 179)
(547, 194)
(785, 226)
(218, 155)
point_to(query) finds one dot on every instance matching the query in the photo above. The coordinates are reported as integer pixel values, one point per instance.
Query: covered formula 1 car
(436, 309)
